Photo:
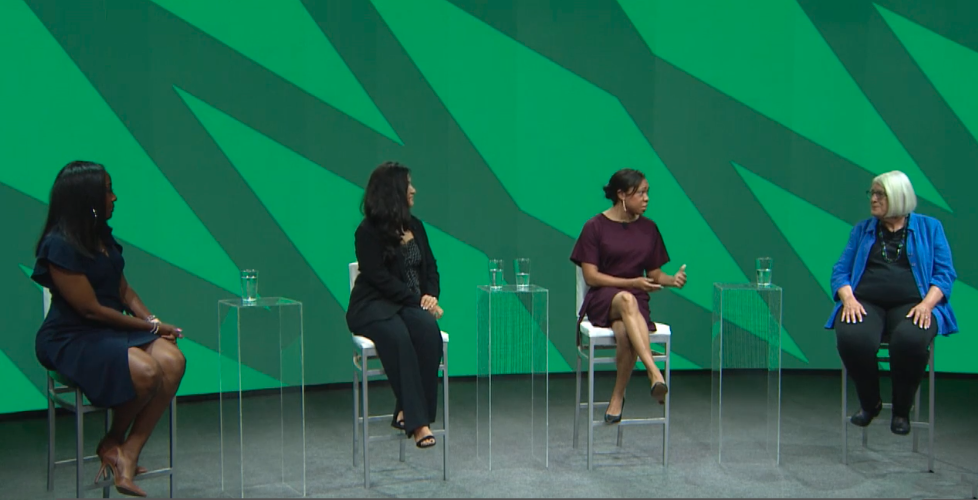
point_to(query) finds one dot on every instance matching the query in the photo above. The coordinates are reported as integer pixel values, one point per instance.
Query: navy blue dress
(93, 355)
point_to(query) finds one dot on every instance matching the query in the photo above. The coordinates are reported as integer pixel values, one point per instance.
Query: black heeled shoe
(900, 425)
(862, 418)
(659, 391)
(614, 419)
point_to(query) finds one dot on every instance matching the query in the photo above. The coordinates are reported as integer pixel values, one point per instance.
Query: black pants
(409, 346)
(858, 344)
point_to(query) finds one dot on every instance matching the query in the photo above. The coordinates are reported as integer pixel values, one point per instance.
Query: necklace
(899, 246)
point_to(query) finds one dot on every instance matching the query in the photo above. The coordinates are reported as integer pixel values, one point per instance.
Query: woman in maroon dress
(621, 254)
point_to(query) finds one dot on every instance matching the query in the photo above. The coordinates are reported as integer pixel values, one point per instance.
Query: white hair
(900, 196)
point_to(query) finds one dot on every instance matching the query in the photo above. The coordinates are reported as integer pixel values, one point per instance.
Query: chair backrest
(582, 289)
(354, 272)
(46, 300)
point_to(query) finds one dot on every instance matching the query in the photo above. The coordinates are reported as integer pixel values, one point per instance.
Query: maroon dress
(622, 250)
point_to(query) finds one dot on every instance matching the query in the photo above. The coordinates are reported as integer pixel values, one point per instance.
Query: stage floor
(810, 449)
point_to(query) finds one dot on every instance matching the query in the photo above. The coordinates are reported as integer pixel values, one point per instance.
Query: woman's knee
(170, 358)
(627, 304)
(145, 371)
(909, 339)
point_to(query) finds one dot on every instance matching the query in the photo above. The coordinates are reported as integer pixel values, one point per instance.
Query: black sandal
(659, 391)
(426, 442)
(398, 424)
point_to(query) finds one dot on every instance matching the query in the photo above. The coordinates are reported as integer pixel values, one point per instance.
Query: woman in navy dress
(98, 334)
(621, 255)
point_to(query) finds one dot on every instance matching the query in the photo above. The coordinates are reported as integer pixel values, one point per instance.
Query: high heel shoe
(659, 391)
(107, 443)
(614, 419)
(113, 459)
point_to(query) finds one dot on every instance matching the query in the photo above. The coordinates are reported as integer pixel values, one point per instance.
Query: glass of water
(522, 267)
(249, 286)
(763, 270)
(495, 273)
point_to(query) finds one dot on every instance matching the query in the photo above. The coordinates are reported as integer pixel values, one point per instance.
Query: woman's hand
(428, 302)
(437, 312)
(646, 284)
(679, 280)
(921, 314)
(169, 332)
(853, 311)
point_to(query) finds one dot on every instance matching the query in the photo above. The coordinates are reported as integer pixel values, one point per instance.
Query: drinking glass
(495, 273)
(522, 267)
(763, 270)
(249, 286)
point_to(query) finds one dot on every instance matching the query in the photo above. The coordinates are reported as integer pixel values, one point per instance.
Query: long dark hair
(625, 180)
(77, 206)
(385, 203)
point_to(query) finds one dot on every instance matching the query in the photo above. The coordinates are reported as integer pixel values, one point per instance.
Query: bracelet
(155, 329)
(153, 319)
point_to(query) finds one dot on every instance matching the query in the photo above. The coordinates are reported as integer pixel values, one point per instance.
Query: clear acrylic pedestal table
(512, 383)
(262, 398)
(746, 373)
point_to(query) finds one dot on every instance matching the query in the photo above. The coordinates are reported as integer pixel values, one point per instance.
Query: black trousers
(858, 344)
(409, 347)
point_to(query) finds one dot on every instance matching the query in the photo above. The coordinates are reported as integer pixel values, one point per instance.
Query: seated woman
(892, 281)
(129, 363)
(621, 255)
(394, 301)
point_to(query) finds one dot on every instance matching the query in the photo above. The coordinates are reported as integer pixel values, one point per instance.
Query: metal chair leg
(108, 427)
(173, 445)
(365, 434)
(79, 443)
(577, 400)
(932, 413)
(665, 429)
(51, 434)
(590, 404)
(356, 415)
(845, 424)
(445, 409)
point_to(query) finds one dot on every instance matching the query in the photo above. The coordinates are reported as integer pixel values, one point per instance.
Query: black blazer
(381, 289)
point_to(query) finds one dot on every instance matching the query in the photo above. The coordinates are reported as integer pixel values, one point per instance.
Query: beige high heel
(113, 459)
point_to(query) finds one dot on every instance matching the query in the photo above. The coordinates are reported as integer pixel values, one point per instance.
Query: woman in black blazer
(394, 301)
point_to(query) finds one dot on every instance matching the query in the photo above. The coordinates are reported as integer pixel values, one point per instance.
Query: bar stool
(363, 352)
(916, 424)
(592, 338)
(57, 387)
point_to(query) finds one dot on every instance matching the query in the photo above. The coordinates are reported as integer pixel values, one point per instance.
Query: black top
(383, 288)
(412, 264)
(888, 280)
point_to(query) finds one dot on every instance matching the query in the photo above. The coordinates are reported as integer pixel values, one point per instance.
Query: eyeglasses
(878, 194)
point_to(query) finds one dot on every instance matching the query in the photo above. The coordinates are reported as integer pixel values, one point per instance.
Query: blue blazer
(930, 262)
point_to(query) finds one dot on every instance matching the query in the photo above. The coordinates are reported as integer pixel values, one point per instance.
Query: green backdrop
(240, 134)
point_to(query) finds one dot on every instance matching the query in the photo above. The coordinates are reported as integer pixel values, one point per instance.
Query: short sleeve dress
(93, 355)
(622, 250)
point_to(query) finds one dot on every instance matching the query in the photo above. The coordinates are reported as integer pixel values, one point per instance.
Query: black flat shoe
(900, 425)
(862, 418)
(659, 391)
(614, 419)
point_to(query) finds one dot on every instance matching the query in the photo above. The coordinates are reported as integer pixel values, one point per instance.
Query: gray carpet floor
(810, 448)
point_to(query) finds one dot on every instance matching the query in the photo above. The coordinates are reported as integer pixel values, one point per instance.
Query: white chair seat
(363, 351)
(591, 339)
(363, 343)
(601, 336)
